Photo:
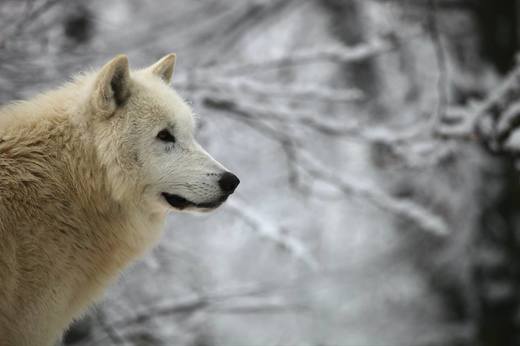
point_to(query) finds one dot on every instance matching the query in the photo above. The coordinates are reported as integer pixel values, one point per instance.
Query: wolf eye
(166, 136)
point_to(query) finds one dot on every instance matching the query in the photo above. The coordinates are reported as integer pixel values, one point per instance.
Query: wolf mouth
(180, 202)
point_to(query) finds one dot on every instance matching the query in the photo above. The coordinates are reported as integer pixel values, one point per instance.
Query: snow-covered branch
(334, 53)
(406, 209)
(266, 229)
(281, 113)
(235, 299)
(413, 145)
(241, 85)
(491, 121)
(33, 10)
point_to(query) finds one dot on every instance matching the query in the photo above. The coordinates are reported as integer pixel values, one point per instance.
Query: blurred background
(375, 142)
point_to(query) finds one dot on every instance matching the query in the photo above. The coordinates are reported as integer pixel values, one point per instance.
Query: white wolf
(87, 175)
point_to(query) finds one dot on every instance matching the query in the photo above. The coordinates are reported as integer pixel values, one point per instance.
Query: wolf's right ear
(112, 86)
(164, 67)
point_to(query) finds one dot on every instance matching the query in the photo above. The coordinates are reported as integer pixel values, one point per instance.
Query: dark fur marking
(137, 159)
(119, 87)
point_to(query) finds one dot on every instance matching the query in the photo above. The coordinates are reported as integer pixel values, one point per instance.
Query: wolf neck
(128, 227)
(116, 228)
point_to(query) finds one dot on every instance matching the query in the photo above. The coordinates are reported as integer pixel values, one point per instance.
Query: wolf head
(143, 132)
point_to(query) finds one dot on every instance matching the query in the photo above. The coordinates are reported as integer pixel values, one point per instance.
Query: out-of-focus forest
(376, 145)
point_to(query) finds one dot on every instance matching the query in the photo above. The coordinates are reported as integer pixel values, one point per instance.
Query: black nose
(228, 182)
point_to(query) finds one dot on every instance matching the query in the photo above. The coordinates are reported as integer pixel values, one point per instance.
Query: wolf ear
(112, 86)
(164, 68)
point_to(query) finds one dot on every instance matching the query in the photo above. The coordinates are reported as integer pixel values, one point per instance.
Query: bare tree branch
(491, 121)
(34, 10)
(238, 299)
(405, 209)
(337, 54)
(442, 79)
(300, 91)
(268, 230)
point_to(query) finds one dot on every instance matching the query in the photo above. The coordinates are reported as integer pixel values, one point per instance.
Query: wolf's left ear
(112, 86)
(164, 68)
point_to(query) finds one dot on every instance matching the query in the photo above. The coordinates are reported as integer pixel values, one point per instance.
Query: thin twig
(276, 234)
(305, 91)
(491, 121)
(337, 53)
(406, 209)
(32, 13)
(442, 78)
(110, 331)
